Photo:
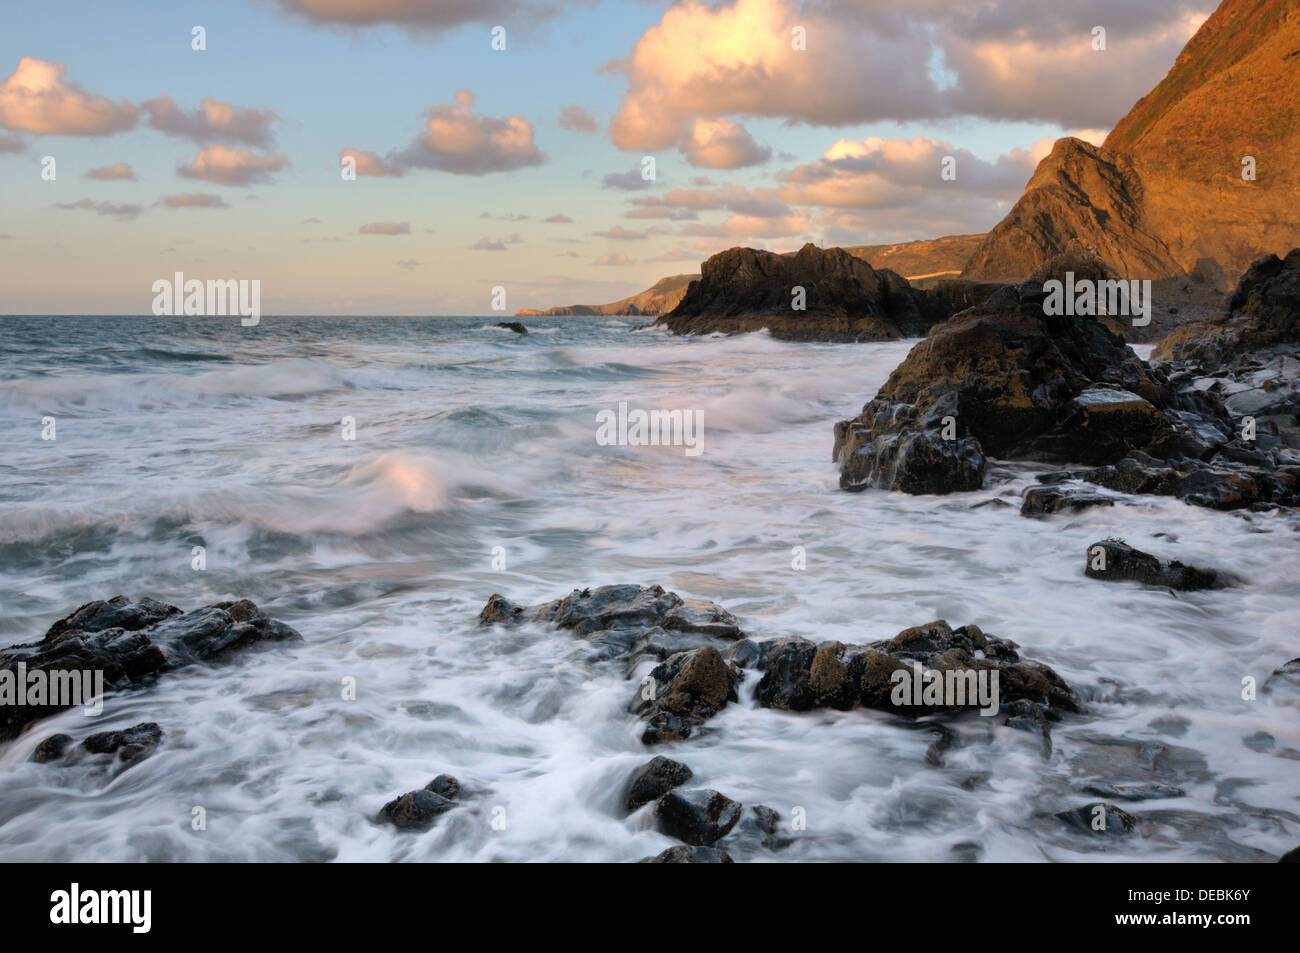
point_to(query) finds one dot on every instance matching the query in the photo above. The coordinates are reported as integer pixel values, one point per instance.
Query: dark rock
(799, 675)
(690, 686)
(1113, 560)
(415, 810)
(1290, 857)
(691, 855)
(131, 643)
(1045, 500)
(130, 744)
(444, 785)
(697, 817)
(52, 748)
(653, 779)
(515, 326)
(1144, 791)
(1285, 677)
(759, 828)
(1108, 820)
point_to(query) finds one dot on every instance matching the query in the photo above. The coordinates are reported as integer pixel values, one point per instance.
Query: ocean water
(181, 432)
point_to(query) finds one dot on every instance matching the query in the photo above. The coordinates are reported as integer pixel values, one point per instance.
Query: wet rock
(691, 855)
(1146, 791)
(129, 644)
(1284, 678)
(759, 827)
(515, 326)
(130, 745)
(415, 810)
(697, 817)
(1290, 857)
(624, 621)
(52, 748)
(1046, 500)
(799, 675)
(690, 687)
(653, 779)
(1099, 818)
(1113, 560)
(444, 785)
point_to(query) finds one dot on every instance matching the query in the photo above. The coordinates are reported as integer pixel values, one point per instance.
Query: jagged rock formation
(844, 298)
(1007, 380)
(660, 298)
(1165, 194)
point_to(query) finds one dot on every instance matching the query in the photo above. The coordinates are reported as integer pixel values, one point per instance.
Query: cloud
(310, 221)
(193, 200)
(614, 258)
(619, 233)
(386, 228)
(877, 60)
(12, 144)
(119, 212)
(370, 164)
(227, 166)
(409, 264)
(559, 218)
(212, 121)
(629, 181)
(36, 98)
(458, 141)
(506, 216)
(485, 244)
(109, 173)
(719, 144)
(416, 15)
(684, 203)
(577, 119)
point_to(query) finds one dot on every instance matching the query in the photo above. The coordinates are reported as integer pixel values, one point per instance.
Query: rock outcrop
(127, 645)
(658, 299)
(1113, 560)
(843, 298)
(1005, 379)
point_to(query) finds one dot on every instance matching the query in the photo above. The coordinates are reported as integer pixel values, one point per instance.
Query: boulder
(697, 817)
(1113, 560)
(652, 780)
(684, 691)
(1099, 818)
(415, 810)
(691, 855)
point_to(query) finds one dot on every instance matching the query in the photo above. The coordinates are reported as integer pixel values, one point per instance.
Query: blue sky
(334, 86)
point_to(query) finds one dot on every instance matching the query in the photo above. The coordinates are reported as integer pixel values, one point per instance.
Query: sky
(568, 151)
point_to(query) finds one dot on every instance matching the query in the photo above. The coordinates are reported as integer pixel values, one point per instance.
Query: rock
(1290, 857)
(129, 644)
(624, 621)
(1147, 791)
(1113, 560)
(52, 748)
(697, 817)
(1099, 818)
(759, 828)
(1286, 677)
(415, 810)
(691, 855)
(691, 687)
(745, 289)
(1045, 500)
(799, 675)
(130, 745)
(653, 779)
(444, 785)
(515, 326)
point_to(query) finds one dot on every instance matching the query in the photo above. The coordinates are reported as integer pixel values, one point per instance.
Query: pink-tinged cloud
(873, 60)
(719, 144)
(757, 203)
(119, 172)
(193, 200)
(213, 121)
(577, 119)
(226, 166)
(420, 15)
(36, 98)
(559, 218)
(12, 144)
(386, 228)
(458, 141)
(620, 234)
(119, 212)
(616, 258)
(486, 244)
(371, 164)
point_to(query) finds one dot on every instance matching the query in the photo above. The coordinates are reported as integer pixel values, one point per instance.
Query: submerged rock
(515, 326)
(418, 810)
(690, 855)
(1099, 818)
(652, 780)
(697, 817)
(131, 744)
(1113, 560)
(1045, 500)
(129, 644)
